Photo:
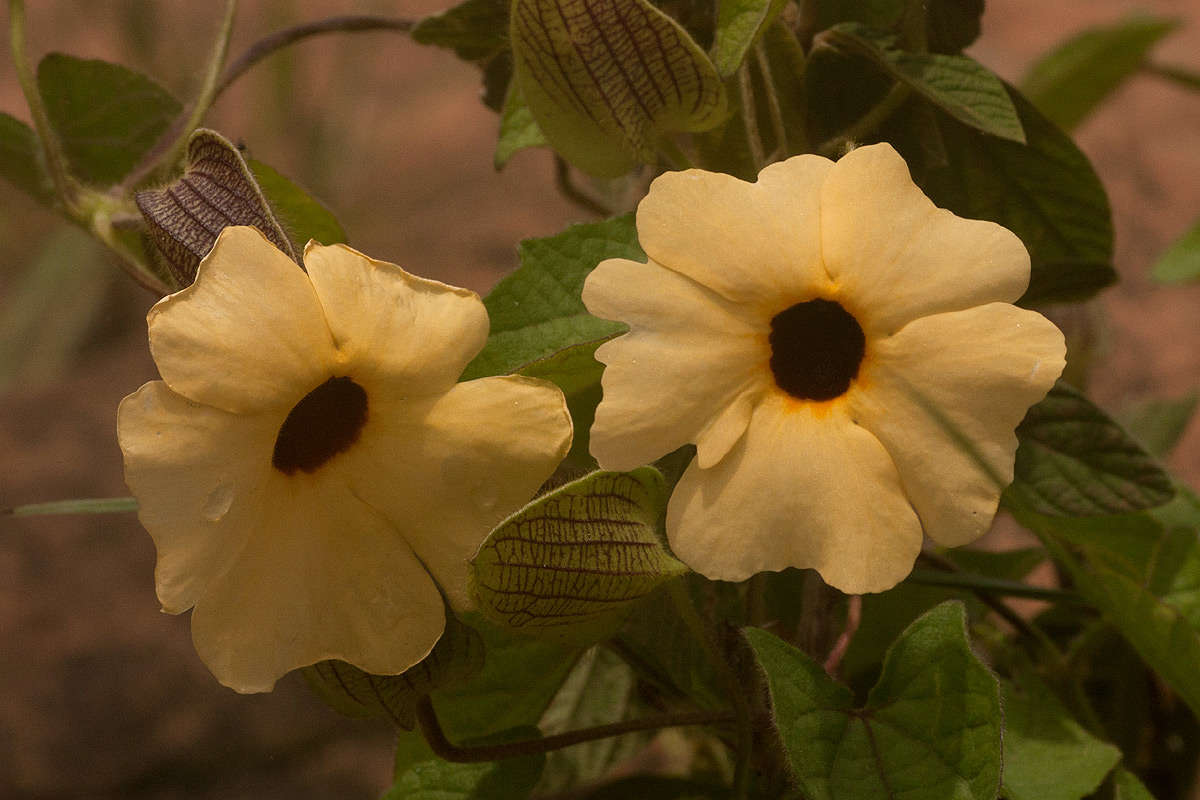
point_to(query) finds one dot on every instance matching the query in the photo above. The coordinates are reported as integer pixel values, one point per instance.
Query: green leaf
(217, 189)
(571, 564)
(952, 24)
(739, 24)
(645, 787)
(106, 116)
(518, 128)
(97, 505)
(474, 30)
(495, 699)
(881, 15)
(576, 371)
(355, 693)
(19, 157)
(512, 779)
(301, 216)
(1073, 460)
(536, 311)
(1159, 424)
(1070, 81)
(931, 728)
(1045, 191)
(600, 690)
(1047, 754)
(1126, 786)
(1142, 571)
(959, 85)
(604, 78)
(1181, 263)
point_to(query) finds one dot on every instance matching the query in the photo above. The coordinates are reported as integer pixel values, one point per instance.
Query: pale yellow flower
(308, 467)
(844, 355)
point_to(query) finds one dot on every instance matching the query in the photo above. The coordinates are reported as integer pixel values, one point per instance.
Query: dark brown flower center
(324, 423)
(816, 349)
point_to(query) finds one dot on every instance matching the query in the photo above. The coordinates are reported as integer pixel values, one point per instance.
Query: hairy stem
(773, 105)
(431, 728)
(55, 161)
(750, 117)
(289, 36)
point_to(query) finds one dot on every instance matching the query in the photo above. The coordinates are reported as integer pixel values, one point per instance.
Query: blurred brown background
(101, 696)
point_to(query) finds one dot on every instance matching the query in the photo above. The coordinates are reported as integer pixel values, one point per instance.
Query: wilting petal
(689, 354)
(805, 487)
(199, 475)
(944, 395)
(895, 256)
(248, 335)
(410, 334)
(323, 577)
(757, 243)
(447, 470)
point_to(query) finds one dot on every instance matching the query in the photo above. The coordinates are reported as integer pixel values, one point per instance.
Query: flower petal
(674, 377)
(249, 334)
(944, 395)
(756, 243)
(806, 487)
(895, 256)
(447, 470)
(413, 334)
(198, 474)
(322, 577)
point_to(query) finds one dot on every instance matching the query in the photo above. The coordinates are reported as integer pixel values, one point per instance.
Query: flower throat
(324, 423)
(816, 349)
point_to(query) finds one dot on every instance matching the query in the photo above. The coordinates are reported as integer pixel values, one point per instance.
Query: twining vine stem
(431, 728)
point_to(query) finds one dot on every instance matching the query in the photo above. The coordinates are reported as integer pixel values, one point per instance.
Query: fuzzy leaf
(1047, 754)
(355, 693)
(518, 128)
(216, 190)
(931, 728)
(106, 116)
(1045, 191)
(959, 85)
(604, 78)
(1070, 81)
(739, 24)
(1181, 263)
(19, 159)
(536, 311)
(302, 216)
(572, 563)
(1075, 461)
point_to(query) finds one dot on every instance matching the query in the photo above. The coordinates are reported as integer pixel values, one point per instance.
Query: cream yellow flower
(308, 467)
(844, 355)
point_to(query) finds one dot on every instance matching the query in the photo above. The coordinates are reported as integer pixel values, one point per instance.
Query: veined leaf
(1070, 81)
(739, 24)
(1181, 263)
(959, 85)
(1159, 424)
(512, 779)
(1044, 191)
(19, 159)
(350, 690)
(931, 728)
(604, 78)
(571, 564)
(518, 128)
(106, 116)
(536, 311)
(217, 189)
(1075, 461)
(1047, 754)
(301, 215)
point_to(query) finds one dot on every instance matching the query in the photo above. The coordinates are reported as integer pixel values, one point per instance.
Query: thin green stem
(773, 105)
(56, 164)
(431, 728)
(743, 714)
(868, 123)
(750, 116)
(673, 154)
(1184, 77)
(168, 155)
(288, 36)
(562, 179)
(994, 586)
(98, 505)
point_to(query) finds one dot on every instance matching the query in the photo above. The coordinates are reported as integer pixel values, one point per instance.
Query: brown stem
(281, 39)
(562, 178)
(444, 748)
